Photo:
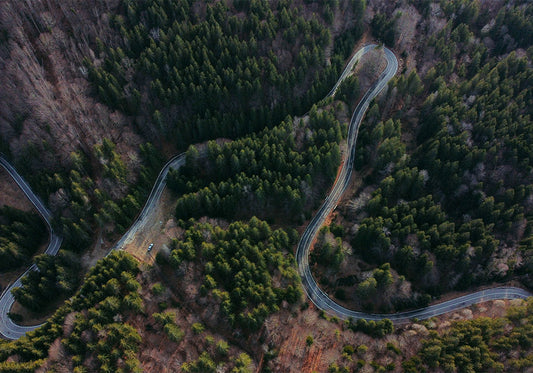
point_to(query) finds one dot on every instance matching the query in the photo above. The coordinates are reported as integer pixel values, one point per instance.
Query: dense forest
(276, 172)
(246, 268)
(81, 205)
(443, 195)
(451, 180)
(197, 70)
(188, 71)
(443, 199)
(480, 345)
(21, 234)
(93, 330)
(87, 328)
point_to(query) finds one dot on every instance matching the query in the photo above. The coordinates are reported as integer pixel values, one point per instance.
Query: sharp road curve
(313, 291)
(10, 330)
(152, 201)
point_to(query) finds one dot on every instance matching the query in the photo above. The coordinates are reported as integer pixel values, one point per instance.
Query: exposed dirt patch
(159, 228)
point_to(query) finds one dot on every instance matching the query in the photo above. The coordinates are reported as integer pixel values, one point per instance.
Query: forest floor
(289, 330)
(31, 318)
(286, 330)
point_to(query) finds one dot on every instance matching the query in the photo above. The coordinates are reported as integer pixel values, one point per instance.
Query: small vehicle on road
(150, 247)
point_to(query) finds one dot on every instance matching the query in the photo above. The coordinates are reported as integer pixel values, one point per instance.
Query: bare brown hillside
(45, 98)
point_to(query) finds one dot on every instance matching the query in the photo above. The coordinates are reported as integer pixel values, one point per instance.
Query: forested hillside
(440, 201)
(121, 321)
(274, 173)
(82, 206)
(483, 344)
(241, 267)
(103, 327)
(450, 172)
(21, 234)
(86, 334)
(173, 73)
(194, 70)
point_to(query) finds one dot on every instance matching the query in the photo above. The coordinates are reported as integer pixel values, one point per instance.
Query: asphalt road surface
(152, 201)
(313, 291)
(10, 330)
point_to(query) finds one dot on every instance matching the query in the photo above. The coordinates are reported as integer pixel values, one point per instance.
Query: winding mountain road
(10, 330)
(152, 201)
(313, 291)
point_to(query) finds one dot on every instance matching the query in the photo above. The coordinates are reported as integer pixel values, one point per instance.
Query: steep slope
(47, 105)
